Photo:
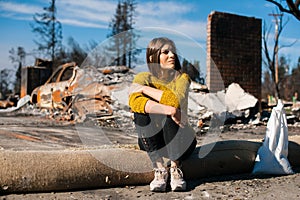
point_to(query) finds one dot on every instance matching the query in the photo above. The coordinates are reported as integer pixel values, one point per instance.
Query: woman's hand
(179, 117)
(176, 115)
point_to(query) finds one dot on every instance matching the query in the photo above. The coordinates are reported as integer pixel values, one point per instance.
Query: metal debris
(6, 103)
(75, 94)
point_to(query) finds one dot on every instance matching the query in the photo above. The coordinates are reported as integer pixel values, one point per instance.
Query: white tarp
(272, 155)
(20, 104)
(235, 99)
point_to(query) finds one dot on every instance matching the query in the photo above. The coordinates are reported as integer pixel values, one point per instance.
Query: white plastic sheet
(234, 99)
(272, 155)
(20, 104)
(237, 99)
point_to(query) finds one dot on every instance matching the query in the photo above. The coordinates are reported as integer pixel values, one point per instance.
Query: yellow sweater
(175, 93)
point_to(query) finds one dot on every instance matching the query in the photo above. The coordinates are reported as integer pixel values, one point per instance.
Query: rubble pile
(75, 94)
(85, 96)
(100, 95)
(233, 109)
(118, 80)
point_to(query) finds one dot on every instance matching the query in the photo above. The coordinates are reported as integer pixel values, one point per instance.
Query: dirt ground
(21, 132)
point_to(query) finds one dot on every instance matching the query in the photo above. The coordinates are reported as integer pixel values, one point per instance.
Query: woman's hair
(154, 50)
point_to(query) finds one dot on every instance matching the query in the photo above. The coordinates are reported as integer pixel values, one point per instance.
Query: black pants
(160, 136)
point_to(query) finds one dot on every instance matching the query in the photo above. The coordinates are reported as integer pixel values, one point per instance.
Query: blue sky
(89, 20)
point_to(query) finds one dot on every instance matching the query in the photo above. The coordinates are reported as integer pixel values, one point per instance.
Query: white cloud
(164, 8)
(269, 5)
(171, 15)
(81, 23)
(98, 14)
(83, 14)
(195, 29)
(88, 11)
(95, 5)
(18, 8)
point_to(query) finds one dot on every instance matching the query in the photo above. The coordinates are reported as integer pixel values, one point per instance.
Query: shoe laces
(160, 173)
(176, 173)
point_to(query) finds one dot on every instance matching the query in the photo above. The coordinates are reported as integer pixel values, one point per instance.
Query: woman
(158, 99)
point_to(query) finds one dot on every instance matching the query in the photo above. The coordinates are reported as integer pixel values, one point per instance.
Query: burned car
(71, 89)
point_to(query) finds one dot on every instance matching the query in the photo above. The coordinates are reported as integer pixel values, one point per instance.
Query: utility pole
(277, 20)
(1, 88)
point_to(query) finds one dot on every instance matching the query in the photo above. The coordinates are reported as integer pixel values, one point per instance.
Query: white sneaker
(159, 182)
(177, 181)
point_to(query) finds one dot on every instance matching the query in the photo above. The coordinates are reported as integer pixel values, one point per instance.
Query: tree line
(48, 30)
(279, 81)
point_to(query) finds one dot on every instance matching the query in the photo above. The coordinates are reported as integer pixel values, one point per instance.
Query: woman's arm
(154, 93)
(157, 108)
(152, 106)
(146, 99)
(174, 98)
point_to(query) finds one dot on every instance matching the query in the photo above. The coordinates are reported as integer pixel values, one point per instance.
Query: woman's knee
(141, 119)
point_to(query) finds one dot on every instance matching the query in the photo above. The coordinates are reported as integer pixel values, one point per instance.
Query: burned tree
(18, 57)
(73, 53)
(271, 53)
(5, 82)
(49, 31)
(296, 78)
(122, 33)
(292, 7)
(193, 70)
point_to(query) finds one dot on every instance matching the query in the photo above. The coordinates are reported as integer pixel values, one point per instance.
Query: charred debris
(100, 95)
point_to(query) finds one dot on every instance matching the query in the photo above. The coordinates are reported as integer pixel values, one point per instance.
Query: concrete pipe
(42, 171)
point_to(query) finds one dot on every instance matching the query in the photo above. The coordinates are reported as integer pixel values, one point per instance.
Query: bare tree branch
(269, 62)
(288, 45)
(297, 3)
(271, 53)
(293, 7)
(281, 8)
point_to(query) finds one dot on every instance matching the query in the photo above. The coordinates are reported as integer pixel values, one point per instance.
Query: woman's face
(167, 57)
